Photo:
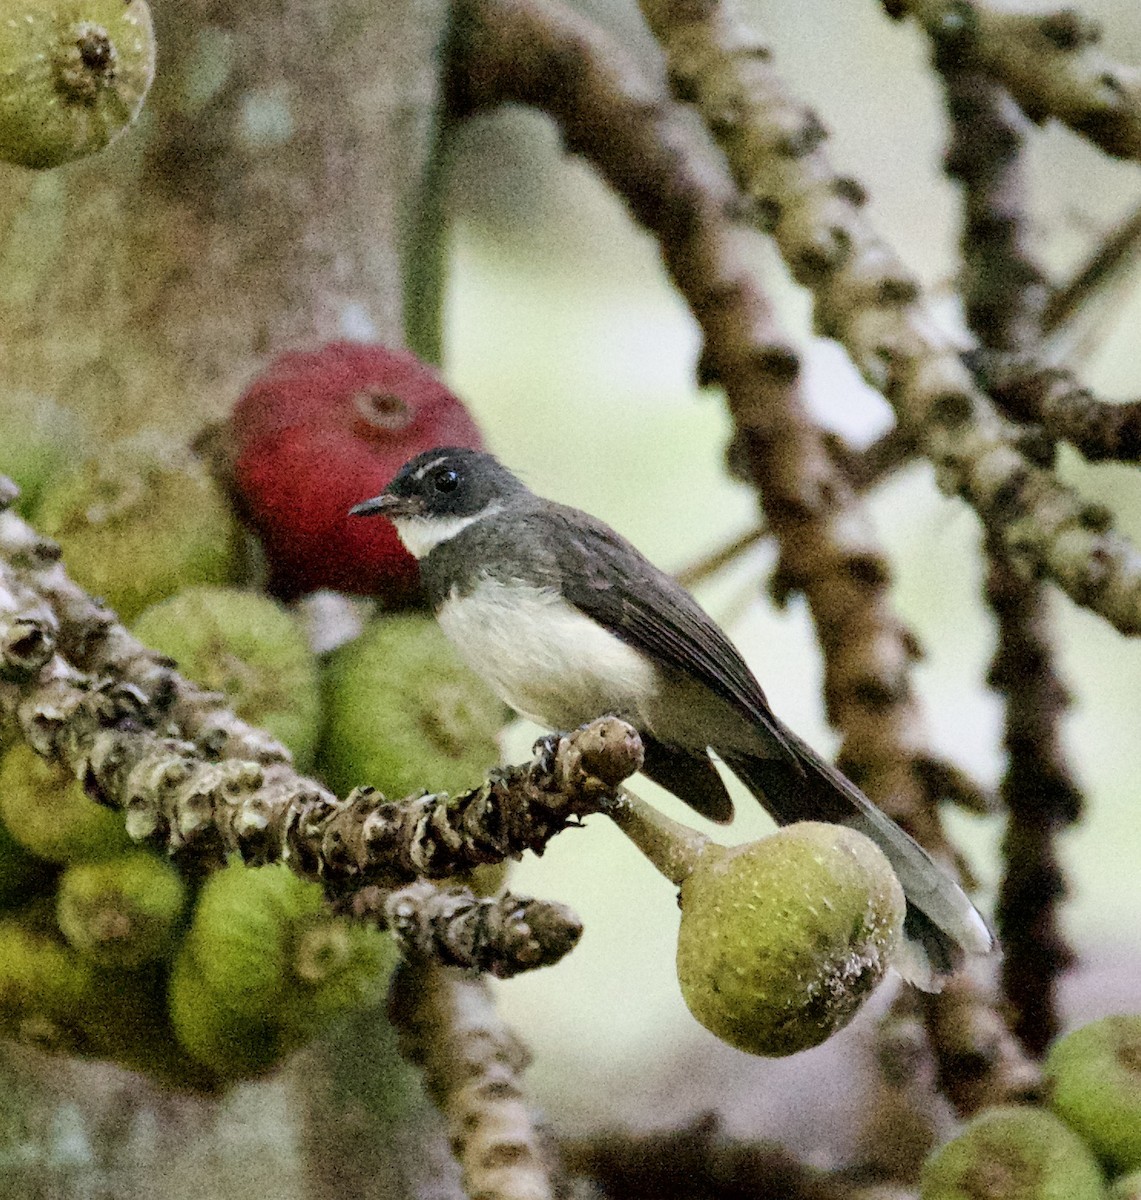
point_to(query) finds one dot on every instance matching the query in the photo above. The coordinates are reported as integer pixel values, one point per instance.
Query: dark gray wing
(606, 578)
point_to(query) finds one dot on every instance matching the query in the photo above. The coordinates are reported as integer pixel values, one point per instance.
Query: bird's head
(441, 492)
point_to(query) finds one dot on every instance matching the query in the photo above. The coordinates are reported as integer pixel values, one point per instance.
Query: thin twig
(1016, 365)
(1004, 290)
(979, 1063)
(865, 469)
(1052, 397)
(1041, 798)
(1004, 304)
(500, 935)
(903, 1122)
(1115, 254)
(711, 564)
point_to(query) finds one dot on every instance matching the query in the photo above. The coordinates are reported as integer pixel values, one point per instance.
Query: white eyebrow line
(422, 471)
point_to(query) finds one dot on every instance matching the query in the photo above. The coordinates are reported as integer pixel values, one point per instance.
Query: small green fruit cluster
(21, 873)
(251, 650)
(1092, 1129)
(104, 952)
(105, 949)
(122, 912)
(264, 967)
(1016, 1152)
(87, 926)
(783, 939)
(73, 76)
(139, 521)
(402, 711)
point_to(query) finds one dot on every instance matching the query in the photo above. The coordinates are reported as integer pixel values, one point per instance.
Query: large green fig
(50, 815)
(783, 939)
(1094, 1075)
(403, 713)
(138, 521)
(122, 912)
(249, 648)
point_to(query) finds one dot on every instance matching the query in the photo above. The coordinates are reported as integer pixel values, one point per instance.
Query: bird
(568, 621)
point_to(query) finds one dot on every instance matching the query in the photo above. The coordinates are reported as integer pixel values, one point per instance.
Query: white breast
(545, 658)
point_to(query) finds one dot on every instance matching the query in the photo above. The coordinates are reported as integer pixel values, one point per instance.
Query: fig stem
(672, 847)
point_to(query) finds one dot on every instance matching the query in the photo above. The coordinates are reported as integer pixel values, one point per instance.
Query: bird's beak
(385, 505)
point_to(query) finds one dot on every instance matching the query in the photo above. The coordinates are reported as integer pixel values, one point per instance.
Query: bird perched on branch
(567, 621)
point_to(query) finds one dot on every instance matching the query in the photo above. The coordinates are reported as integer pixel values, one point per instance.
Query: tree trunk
(262, 202)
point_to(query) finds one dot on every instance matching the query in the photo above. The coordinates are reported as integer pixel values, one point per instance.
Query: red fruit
(320, 431)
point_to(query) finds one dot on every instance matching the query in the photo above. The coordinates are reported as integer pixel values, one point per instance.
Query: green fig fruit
(139, 521)
(46, 989)
(242, 933)
(782, 939)
(265, 967)
(49, 814)
(22, 875)
(73, 76)
(341, 966)
(403, 714)
(1094, 1076)
(128, 1024)
(250, 649)
(1013, 1153)
(122, 912)
(233, 1045)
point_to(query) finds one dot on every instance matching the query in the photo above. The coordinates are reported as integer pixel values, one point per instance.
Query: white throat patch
(421, 535)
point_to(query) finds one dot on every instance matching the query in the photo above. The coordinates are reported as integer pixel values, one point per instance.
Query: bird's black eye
(446, 481)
